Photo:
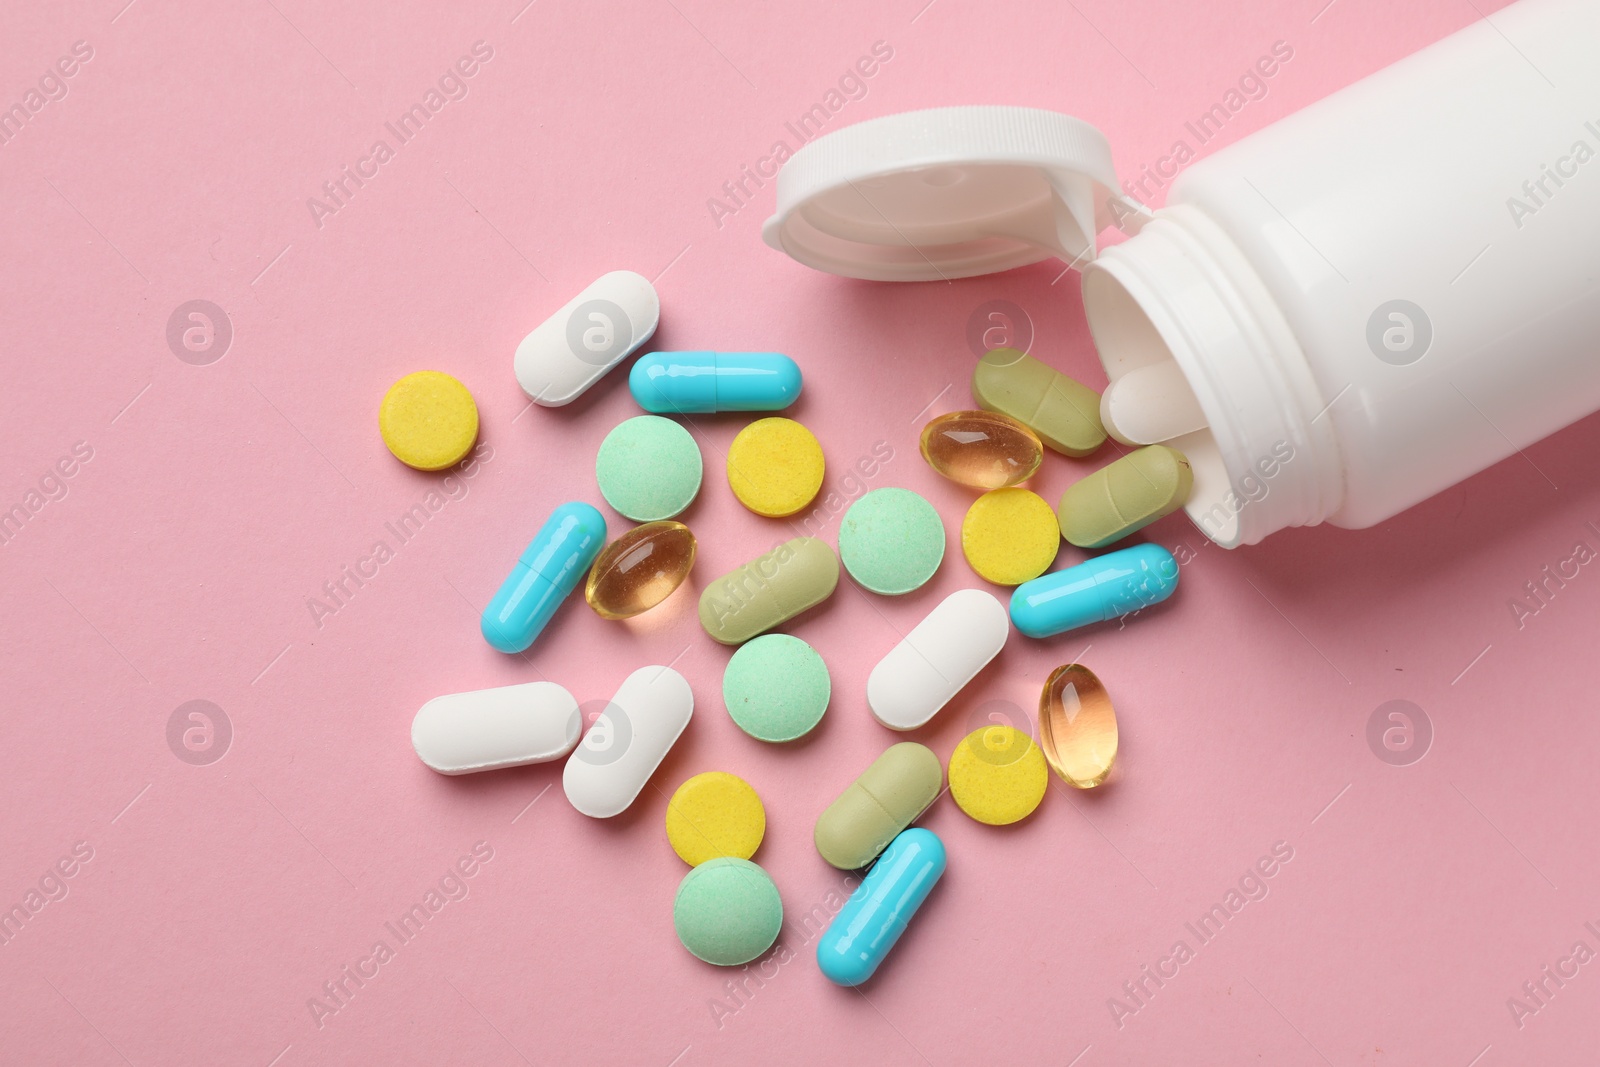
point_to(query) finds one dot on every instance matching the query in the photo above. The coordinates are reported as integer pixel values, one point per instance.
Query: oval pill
(769, 590)
(1125, 496)
(1077, 726)
(775, 467)
(593, 332)
(688, 383)
(855, 943)
(939, 656)
(1098, 590)
(486, 729)
(889, 796)
(627, 742)
(640, 569)
(981, 449)
(1064, 413)
(549, 568)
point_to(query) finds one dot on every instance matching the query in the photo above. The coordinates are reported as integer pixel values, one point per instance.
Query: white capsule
(596, 330)
(479, 731)
(628, 742)
(943, 653)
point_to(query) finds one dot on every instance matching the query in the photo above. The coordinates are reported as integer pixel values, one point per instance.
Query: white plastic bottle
(1336, 317)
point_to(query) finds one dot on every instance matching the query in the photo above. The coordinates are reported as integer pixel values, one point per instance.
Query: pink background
(218, 499)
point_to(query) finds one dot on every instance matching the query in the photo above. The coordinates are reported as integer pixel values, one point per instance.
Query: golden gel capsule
(769, 590)
(1077, 726)
(640, 569)
(887, 798)
(1125, 496)
(1064, 413)
(981, 449)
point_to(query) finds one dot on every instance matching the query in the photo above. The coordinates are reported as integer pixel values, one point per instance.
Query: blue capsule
(553, 564)
(875, 916)
(686, 383)
(1099, 590)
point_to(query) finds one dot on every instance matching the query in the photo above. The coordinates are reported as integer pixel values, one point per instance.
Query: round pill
(776, 688)
(1010, 536)
(649, 468)
(998, 775)
(891, 541)
(775, 467)
(727, 911)
(428, 420)
(715, 814)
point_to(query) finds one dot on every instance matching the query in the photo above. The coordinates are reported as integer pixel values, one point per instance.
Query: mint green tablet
(776, 688)
(727, 911)
(891, 541)
(649, 468)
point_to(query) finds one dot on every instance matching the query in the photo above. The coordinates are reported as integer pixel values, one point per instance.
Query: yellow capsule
(1077, 726)
(640, 569)
(981, 449)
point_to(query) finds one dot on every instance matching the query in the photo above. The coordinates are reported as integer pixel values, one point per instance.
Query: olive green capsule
(769, 590)
(887, 798)
(1125, 496)
(1064, 413)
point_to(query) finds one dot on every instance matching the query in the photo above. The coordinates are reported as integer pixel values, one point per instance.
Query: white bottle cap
(949, 193)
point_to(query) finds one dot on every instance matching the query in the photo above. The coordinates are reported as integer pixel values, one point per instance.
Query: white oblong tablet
(937, 658)
(627, 742)
(507, 727)
(596, 330)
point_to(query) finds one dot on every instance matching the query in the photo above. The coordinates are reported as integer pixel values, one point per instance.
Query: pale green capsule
(1064, 413)
(1125, 496)
(769, 590)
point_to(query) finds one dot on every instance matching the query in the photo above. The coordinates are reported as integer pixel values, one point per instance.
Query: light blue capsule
(1099, 590)
(875, 916)
(687, 383)
(553, 564)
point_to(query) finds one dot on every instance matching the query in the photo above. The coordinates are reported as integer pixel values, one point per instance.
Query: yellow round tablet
(998, 775)
(775, 467)
(1010, 536)
(715, 814)
(428, 420)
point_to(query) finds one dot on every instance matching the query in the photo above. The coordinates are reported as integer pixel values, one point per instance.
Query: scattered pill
(1099, 590)
(428, 420)
(597, 329)
(941, 654)
(1077, 726)
(889, 796)
(998, 775)
(534, 722)
(1125, 496)
(688, 383)
(727, 911)
(627, 742)
(775, 467)
(715, 814)
(776, 688)
(649, 468)
(769, 590)
(877, 913)
(548, 569)
(640, 569)
(1064, 413)
(1010, 536)
(891, 541)
(1150, 404)
(981, 449)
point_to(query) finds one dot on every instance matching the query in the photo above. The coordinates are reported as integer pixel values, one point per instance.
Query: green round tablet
(727, 911)
(649, 468)
(776, 688)
(891, 541)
